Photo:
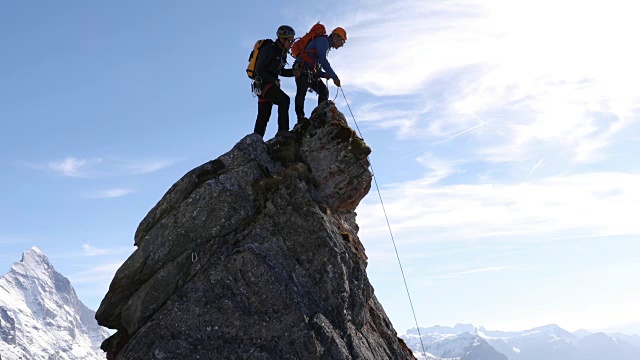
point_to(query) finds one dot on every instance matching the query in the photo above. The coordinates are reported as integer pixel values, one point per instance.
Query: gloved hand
(336, 81)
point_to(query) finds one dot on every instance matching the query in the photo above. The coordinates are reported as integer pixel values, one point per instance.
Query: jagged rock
(256, 255)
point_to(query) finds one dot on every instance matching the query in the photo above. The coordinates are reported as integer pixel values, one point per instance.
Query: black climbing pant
(303, 83)
(272, 95)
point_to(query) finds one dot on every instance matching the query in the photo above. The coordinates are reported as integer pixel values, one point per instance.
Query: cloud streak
(110, 194)
(70, 166)
(593, 204)
(89, 250)
(561, 86)
(536, 166)
(470, 272)
(450, 137)
(102, 274)
(103, 167)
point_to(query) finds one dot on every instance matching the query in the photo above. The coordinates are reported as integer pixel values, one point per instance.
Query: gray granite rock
(256, 255)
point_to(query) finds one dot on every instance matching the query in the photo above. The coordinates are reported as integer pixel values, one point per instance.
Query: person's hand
(326, 76)
(296, 72)
(336, 81)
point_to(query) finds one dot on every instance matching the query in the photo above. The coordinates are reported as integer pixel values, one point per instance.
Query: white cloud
(553, 75)
(92, 251)
(149, 166)
(104, 167)
(470, 272)
(109, 194)
(536, 166)
(101, 274)
(588, 204)
(71, 166)
(89, 250)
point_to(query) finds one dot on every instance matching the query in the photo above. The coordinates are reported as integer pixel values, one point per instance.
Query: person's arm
(322, 46)
(265, 55)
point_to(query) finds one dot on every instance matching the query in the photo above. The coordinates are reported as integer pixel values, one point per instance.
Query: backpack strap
(306, 57)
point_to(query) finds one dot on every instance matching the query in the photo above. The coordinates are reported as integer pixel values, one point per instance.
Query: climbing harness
(256, 87)
(388, 225)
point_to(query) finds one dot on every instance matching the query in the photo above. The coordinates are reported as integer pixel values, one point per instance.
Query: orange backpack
(298, 48)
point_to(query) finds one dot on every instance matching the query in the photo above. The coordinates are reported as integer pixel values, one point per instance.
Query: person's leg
(320, 88)
(264, 113)
(276, 96)
(302, 84)
(323, 92)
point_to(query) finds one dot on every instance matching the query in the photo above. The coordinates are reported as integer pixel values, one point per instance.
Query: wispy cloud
(92, 251)
(595, 204)
(149, 166)
(102, 273)
(88, 250)
(71, 166)
(450, 137)
(109, 194)
(103, 167)
(536, 166)
(564, 85)
(470, 272)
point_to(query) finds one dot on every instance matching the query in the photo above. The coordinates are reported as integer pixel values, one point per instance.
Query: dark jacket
(270, 63)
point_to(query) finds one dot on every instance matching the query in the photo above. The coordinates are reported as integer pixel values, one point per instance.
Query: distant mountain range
(550, 342)
(41, 317)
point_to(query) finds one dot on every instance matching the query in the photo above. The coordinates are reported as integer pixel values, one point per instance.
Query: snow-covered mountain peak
(34, 254)
(445, 330)
(41, 316)
(552, 331)
(454, 347)
(582, 333)
(462, 328)
(34, 263)
(548, 342)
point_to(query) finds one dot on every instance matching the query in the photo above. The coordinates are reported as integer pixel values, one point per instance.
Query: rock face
(255, 255)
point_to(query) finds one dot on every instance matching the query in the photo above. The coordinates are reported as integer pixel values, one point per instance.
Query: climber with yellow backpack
(266, 63)
(311, 52)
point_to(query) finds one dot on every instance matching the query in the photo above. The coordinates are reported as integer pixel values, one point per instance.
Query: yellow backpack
(253, 57)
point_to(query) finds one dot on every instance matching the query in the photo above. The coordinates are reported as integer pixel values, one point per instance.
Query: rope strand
(388, 225)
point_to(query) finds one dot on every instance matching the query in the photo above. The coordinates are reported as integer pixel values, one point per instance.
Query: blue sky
(505, 137)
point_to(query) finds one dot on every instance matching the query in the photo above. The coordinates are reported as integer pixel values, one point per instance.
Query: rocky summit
(256, 255)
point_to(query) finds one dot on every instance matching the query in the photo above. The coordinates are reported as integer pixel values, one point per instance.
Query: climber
(313, 66)
(269, 64)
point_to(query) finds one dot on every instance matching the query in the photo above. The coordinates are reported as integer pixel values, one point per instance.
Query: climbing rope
(329, 91)
(337, 92)
(388, 225)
